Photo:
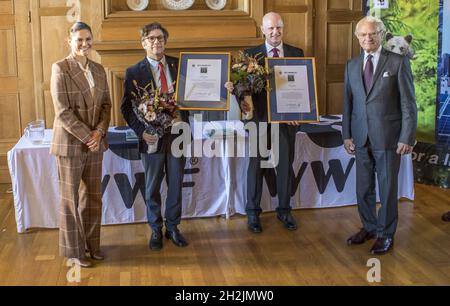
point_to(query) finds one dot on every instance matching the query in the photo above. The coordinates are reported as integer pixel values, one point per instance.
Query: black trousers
(156, 166)
(284, 173)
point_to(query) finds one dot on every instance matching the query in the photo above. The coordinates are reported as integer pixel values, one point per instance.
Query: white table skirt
(212, 186)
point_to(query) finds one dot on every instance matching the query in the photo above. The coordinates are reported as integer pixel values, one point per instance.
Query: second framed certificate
(201, 81)
(293, 93)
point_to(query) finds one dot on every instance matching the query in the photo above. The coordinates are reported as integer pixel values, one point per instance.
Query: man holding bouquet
(159, 71)
(272, 28)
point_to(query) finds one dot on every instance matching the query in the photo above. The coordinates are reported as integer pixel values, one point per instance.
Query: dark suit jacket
(387, 113)
(260, 100)
(142, 74)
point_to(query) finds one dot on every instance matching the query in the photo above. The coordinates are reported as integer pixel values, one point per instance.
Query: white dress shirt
(279, 47)
(88, 74)
(375, 59)
(154, 66)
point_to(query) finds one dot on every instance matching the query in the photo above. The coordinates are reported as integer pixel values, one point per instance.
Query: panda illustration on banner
(400, 44)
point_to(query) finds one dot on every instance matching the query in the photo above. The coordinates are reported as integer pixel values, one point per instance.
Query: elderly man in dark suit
(272, 27)
(379, 125)
(161, 70)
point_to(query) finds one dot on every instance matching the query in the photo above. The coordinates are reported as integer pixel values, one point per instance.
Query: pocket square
(386, 74)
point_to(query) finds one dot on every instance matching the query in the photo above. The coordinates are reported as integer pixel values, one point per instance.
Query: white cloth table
(212, 186)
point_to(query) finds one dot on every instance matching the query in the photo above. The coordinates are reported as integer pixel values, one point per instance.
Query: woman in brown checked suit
(82, 112)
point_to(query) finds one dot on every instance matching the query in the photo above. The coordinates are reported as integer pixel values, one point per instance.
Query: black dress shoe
(98, 255)
(361, 237)
(288, 221)
(446, 217)
(254, 225)
(382, 246)
(177, 238)
(156, 241)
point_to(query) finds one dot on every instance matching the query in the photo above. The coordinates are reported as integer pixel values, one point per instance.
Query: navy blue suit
(255, 173)
(162, 162)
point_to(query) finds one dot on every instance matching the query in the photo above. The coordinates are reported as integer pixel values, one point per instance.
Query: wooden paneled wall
(334, 44)
(298, 18)
(34, 33)
(116, 34)
(9, 92)
(16, 84)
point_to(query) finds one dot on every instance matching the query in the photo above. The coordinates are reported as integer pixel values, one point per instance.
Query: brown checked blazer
(77, 112)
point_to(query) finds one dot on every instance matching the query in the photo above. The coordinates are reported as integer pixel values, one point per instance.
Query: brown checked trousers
(81, 204)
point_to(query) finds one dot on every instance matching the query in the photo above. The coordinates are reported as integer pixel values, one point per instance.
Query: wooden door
(334, 44)
(16, 83)
(51, 21)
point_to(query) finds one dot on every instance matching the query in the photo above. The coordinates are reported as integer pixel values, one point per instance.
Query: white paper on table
(292, 89)
(203, 80)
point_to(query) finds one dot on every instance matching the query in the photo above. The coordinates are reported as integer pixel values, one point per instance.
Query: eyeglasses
(152, 39)
(370, 35)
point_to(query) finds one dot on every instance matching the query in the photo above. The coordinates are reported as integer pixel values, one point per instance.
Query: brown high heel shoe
(82, 262)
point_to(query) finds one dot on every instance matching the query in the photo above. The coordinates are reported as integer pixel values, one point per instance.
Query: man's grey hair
(371, 19)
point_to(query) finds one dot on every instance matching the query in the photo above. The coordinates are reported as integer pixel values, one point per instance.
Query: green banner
(419, 19)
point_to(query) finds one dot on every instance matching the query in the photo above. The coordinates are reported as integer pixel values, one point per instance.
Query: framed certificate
(292, 94)
(201, 81)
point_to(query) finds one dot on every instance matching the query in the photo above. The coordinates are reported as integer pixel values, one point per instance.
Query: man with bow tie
(379, 125)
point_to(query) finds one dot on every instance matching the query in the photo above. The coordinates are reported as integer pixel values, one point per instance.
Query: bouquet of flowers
(248, 77)
(156, 110)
